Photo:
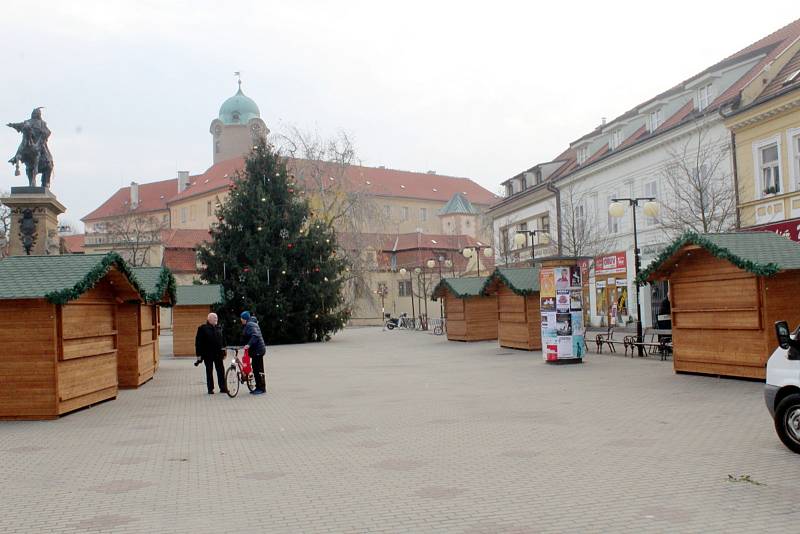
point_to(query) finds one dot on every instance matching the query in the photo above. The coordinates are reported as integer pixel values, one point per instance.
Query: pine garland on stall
(691, 238)
(96, 274)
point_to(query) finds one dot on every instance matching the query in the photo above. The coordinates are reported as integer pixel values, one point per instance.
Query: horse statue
(33, 150)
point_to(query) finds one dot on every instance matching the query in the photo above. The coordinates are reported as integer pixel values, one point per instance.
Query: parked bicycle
(239, 372)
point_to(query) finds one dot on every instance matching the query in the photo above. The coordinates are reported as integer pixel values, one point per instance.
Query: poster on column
(562, 305)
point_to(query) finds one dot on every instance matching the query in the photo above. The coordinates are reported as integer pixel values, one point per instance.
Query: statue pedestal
(34, 221)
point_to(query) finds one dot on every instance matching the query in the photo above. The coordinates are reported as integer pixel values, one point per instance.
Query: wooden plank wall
(138, 344)
(456, 322)
(718, 323)
(519, 322)
(87, 362)
(481, 316)
(28, 360)
(185, 320)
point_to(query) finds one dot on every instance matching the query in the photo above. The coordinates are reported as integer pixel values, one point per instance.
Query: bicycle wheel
(251, 382)
(232, 381)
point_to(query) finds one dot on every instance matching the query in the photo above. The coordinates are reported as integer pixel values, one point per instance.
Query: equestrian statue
(33, 151)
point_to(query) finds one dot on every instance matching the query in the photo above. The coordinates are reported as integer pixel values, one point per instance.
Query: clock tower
(238, 128)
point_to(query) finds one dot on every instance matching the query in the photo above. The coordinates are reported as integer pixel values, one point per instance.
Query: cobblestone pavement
(407, 432)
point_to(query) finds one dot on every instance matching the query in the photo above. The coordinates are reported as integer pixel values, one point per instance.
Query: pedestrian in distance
(254, 342)
(209, 346)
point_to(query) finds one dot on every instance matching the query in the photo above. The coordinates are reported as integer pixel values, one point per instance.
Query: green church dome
(238, 109)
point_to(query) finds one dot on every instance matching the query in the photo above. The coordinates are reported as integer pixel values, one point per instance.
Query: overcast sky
(482, 90)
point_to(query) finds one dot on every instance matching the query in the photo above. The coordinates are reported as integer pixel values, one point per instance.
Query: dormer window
(583, 154)
(509, 190)
(705, 96)
(656, 119)
(616, 139)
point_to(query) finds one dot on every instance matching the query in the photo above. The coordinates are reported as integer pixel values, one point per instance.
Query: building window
(404, 288)
(387, 210)
(504, 241)
(183, 215)
(769, 161)
(165, 218)
(423, 214)
(544, 224)
(704, 97)
(616, 139)
(794, 155)
(580, 220)
(209, 209)
(656, 119)
(583, 154)
(651, 190)
(405, 213)
(613, 222)
(216, 147)
(523, 227)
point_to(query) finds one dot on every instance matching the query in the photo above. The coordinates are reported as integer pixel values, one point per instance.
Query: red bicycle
(239, 372)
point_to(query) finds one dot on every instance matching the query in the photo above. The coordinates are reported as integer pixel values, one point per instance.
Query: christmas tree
(273, 258)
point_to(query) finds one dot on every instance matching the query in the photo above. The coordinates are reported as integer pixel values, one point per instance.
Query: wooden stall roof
(761, 253)
(60, 279)
(158, 283)
(470, 286)
(522, 281)
(199, 295)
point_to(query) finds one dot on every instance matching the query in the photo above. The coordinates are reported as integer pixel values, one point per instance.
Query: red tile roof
(180, 238)
(380, 182)
(180, 260)
(74, 244)
(777, 86)
(152, 197)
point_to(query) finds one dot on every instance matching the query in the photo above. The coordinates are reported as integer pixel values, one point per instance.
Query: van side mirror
(782, 333)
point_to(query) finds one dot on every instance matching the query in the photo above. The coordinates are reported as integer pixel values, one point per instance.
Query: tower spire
(238, 75)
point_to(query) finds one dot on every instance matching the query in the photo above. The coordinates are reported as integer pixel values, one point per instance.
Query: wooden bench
(608, 339)
(654, 341)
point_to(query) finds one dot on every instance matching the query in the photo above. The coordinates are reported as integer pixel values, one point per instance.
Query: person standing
(254, 342)
(209, 346)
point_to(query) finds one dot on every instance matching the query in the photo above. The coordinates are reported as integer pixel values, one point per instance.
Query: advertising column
(561, 293)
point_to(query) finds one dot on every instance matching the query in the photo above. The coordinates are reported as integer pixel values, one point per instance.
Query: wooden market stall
(471, 315)
(59, 337)
(139, 328)
(193, 305)
(726, 292)
(518, 319)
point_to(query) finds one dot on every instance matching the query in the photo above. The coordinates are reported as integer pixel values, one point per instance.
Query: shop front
(611, 291)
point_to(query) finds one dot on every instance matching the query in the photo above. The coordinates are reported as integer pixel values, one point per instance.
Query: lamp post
(422, 289)
(650, 209)
(521, 240)
(476, 250)
(431, 264)
(403, 272)
(382, 291)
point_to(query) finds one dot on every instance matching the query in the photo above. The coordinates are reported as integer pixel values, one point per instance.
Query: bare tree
(700, 195)
(5, 227)
(133, 234)
(340, 198)
(582, 230)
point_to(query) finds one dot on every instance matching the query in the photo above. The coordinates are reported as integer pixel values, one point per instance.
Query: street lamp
(403, 272)
(650, 208)
(382, 291)
(468, 252)
(521, 240)
(431, 264)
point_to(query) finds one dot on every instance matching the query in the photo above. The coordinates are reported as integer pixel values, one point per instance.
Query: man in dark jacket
(254, 341)
(210, 347)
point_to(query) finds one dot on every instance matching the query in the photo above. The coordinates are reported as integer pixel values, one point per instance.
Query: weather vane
(238, 75)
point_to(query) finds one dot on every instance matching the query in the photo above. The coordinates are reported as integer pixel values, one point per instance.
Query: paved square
(407, 432)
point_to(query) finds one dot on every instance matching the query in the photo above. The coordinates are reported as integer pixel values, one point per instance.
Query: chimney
(603, 121)
(134, 195)
(183, 181)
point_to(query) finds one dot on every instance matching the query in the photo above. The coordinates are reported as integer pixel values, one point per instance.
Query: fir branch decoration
(691, 238)
(166, 284)
(96, 274)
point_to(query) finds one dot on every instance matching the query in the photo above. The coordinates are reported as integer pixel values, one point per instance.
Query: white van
(782, 392)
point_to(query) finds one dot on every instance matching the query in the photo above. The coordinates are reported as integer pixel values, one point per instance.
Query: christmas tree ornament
(284, 233)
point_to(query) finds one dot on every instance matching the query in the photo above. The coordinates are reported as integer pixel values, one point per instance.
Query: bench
(660, 341)
(608, 339)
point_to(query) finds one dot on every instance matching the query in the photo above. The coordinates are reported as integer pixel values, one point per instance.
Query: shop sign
(610, 264)
(790, 229)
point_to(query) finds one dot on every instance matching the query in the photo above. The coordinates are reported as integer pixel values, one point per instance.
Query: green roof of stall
(199, 295)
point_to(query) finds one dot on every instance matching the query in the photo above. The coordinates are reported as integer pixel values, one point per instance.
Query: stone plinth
(34, 221)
